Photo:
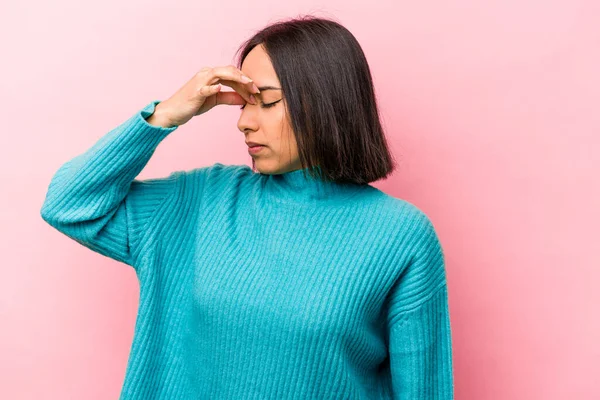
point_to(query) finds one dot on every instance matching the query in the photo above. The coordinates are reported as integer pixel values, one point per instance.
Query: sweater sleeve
(95, 199)
(420, 340)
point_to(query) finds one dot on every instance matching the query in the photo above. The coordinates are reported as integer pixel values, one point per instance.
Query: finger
(209, 90)
(230, 98)
(228, 76)
(234, 74)
(243, 92)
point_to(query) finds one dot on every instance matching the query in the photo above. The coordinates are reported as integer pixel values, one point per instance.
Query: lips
(253, 144)
(255, 150)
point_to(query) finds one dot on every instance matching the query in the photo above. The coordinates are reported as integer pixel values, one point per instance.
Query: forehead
(257, 65)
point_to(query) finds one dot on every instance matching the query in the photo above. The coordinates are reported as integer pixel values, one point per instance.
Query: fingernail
(255, 88)
(253, 99)
(245, 79)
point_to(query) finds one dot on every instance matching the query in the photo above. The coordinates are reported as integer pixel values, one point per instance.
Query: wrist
(160, 118)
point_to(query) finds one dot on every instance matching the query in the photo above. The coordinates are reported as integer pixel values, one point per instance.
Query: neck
(299, 187)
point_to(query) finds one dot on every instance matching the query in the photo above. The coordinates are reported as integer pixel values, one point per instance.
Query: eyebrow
(261, 88)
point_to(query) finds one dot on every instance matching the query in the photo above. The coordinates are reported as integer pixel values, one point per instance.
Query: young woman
(293, 279)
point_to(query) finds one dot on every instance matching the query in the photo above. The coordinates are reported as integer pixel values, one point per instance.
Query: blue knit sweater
(257, 286)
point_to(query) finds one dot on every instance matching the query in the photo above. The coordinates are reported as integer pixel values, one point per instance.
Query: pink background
(492, 109)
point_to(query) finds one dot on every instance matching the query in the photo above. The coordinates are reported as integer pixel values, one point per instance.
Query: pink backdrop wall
(492, 109)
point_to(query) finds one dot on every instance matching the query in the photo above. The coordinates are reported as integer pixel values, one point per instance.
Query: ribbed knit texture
(256, 286)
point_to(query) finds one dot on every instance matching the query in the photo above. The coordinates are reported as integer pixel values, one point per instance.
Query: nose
(248, 121)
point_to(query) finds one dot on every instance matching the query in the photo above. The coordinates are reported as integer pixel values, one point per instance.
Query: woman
(293, 279)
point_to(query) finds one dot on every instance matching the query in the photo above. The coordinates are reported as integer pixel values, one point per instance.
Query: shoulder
(219, 170)
(418, 256)
(413, 239)
(408, 224)
(219, 174)
(420, 229)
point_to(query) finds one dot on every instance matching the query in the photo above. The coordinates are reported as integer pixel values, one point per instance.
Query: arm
(420, 339)
(95, 199)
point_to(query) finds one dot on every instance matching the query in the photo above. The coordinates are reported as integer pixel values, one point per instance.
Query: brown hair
(328, 90)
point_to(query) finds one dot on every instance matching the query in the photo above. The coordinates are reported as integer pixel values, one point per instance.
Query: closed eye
(263, 105)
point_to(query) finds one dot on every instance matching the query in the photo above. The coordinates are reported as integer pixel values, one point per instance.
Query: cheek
(279, 130)
(289, 144)
(287, 136)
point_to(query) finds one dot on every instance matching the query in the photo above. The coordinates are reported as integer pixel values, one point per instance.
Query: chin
(264, 167)
(269, 168)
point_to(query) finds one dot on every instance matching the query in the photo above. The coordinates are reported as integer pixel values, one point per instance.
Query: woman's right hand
(201, 93)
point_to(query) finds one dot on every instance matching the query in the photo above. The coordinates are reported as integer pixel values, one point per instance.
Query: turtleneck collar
(299, 187)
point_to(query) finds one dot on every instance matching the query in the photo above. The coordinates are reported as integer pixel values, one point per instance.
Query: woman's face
(267, 121)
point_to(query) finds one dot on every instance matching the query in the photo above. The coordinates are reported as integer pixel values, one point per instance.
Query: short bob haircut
(328, 91)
